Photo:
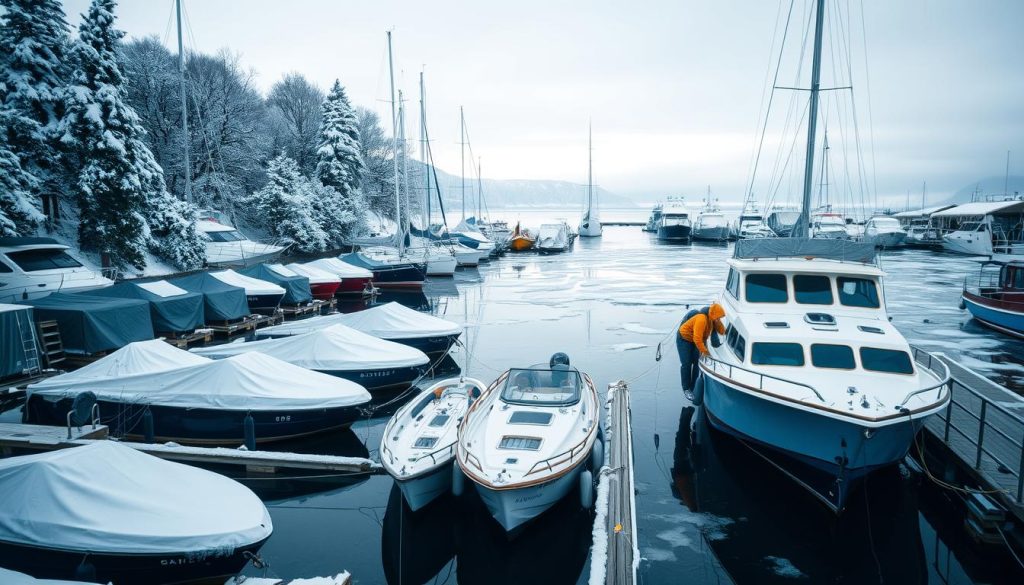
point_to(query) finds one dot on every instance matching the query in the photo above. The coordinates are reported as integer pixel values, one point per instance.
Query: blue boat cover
(296, 287)
(14, 319)
(221, 301)
(91, 324)
(173, 309)
(357, 259)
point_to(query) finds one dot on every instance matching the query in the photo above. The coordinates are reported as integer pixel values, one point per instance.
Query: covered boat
(418, 444)
(995, 297)
(16, 357)
(553, 238)
(262, 296)
(674, 223)
(322, 284)
(222, 302)
(109, 511)
(173, 309)
(398, 274)
(227, 247)
(339, 351)
(209, 402)
(8, 577)
(527, 442)
(391, 321)
(35, 267)
(355, 280)
(91, 324)
(297, 290)
(141, 357)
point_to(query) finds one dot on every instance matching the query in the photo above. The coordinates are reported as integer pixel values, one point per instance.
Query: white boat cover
(314, 274)
(250, 381)
(340, 268)
(106, 497)
(16, 578)
(140, 357)
(337, 348)
(252, 286)
(388, 321)
(162, 288)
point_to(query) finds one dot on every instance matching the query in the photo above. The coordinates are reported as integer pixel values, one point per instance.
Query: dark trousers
(689, 355)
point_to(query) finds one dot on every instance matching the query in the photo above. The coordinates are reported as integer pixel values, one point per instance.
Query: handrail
(945, 381)
(707, 359)
(571, 452)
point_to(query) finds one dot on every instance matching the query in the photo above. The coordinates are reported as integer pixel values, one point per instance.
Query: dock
(616, 555)
(246, 325)
(339, 579)
(623, 223)
(981, 434)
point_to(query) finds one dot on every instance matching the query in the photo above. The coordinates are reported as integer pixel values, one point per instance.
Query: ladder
(50, 340)
(29, 346)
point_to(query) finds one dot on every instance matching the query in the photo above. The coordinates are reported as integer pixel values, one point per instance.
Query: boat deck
(45, 438)
(982, 433)
(616, 515)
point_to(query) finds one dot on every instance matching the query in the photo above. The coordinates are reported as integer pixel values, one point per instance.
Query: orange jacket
(697, 329)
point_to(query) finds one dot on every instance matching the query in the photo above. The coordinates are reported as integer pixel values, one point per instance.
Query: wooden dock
(981, 433)
(197, 337)
(45, 438)
(616, 552)
(246, 325)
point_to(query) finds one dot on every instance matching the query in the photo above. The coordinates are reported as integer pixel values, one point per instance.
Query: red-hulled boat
(322, 284)
(355, 280)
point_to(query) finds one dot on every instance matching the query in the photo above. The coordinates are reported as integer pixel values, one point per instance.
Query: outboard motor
(558, 358)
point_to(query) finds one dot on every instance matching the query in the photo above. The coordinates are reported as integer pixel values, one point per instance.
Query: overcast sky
(674, 87)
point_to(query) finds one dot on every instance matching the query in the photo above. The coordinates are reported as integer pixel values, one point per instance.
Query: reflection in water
(285, 483)
(416, 546)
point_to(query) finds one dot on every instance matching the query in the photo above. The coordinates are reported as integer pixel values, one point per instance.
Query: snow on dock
(343, 578)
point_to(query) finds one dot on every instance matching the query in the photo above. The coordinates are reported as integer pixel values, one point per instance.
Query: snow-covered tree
(294, 105)
(123, 202)
(18, 215)
(284, 208)
(339, 167)
(33, 72)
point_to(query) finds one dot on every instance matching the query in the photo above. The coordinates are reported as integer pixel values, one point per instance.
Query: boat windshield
(971, 226)
(887, 222)
(225, 236)
(43, 259)
(542, 387)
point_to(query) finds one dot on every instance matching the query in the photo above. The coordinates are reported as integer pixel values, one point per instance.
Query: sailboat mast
(462, 143)
(479, 187)
(423, 155)
(590, 167)
(405, 170)
(394, 134)
(802, 227)
(184, 110)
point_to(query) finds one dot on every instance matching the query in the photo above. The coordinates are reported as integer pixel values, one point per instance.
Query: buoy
(458, 481)
(597, 455)
(250, 432)
(963, 305)
(586, 489)
(698, 390)
(148, 432)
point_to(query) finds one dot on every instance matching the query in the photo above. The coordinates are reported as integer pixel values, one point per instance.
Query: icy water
(709, 511)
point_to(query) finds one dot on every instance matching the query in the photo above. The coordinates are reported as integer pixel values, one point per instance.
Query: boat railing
(936, 368)
(728, 370)
(470, 458)
(565, 457)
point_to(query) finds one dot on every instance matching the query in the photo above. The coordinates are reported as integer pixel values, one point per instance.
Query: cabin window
(529, 417)
(858, 292)
(892, 361)
(425, 442)
(766, 288)
(439, 420)
(838, 357)
(5, 268)
(777, 354)
(45, 259)
(736, 343)
(732, 283)
(812, 289)
(225, 236)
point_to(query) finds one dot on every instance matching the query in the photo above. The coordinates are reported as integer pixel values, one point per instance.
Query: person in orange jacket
(694, 332)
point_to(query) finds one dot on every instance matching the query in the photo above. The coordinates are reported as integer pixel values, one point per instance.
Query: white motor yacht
(884, 232)
(31, 268)
(227, 247)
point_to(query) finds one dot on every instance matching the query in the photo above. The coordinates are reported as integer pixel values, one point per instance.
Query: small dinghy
(418, 445)
(213, 402)
(355, 280)
(532, 438)
(391, 321)
(108, 513)
(338, 351)
(262, 296)
(322, 284)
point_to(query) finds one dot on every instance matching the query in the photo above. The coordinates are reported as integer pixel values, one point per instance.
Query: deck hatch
(425, 442)
(521, 443)
(870, 329)
(820, 319)
(776, 325)
(530, 418)
(439, 420)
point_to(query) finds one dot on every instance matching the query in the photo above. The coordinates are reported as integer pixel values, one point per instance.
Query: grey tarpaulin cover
(388, 321)
(91, 324)
(296, 287)
(221, 301)
(106, 497)
(173, 309)
(13, 320)
(843, 250)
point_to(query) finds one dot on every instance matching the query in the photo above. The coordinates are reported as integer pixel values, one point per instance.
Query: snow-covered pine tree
(122, 198)
(283, 206)
(33, 72)
(18, 215)
(339, 165)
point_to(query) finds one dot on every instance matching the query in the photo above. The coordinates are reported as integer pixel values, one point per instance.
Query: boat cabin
(31, 268)
(559, 386)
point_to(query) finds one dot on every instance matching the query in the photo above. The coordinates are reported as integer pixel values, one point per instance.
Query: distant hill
(501, 193)
(990, 186)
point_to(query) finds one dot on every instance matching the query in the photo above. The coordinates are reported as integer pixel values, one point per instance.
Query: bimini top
(296, 286)
(248, 382)
(388, 321)
(340, 268)
(141, 357)
(252, 286)
(314, 274)
(841, 250)
(109, 498)
(335, 348)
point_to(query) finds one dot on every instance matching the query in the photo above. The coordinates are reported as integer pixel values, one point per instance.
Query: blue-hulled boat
(996, 296)
(390, 274)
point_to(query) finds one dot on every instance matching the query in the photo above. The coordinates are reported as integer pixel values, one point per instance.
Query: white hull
(421, 491)
(886, 240)
(514, 507)
(968, 243)
(240, 254)
(35, 287)
(590, 227)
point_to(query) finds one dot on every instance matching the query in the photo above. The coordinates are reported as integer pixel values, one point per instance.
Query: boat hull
(354, 287)
(675, 233)
(428, 345)
(324, 291)
(711, 234)
(995, 314)
(264, 303)
(420, 491)
(127, 568)
(199, 426)
(969, 243)
(839, 451)
(520, 244)
(380, 379)
(513, 508)
(401, 276)
(886, 240)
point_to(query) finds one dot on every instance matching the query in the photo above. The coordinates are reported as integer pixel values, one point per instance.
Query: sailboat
(468, 233)
(590, 224)
(812, 375)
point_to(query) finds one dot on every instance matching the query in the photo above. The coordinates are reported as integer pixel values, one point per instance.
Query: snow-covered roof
(982, 208)
(252, 286)
(926, 212)
(314, 274)
(162, 288)
(340, 268)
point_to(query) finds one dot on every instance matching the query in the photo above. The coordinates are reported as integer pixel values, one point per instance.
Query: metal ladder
(29, 343)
